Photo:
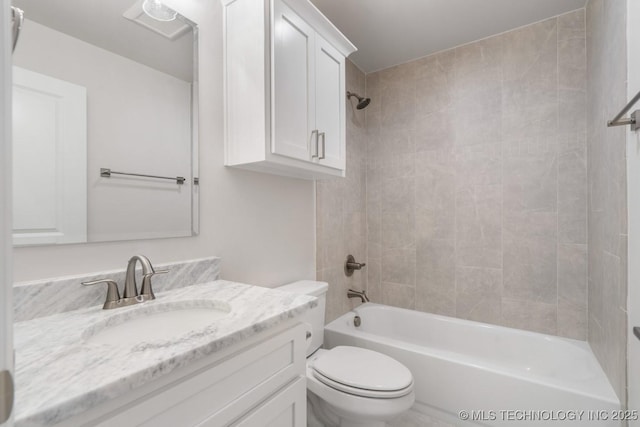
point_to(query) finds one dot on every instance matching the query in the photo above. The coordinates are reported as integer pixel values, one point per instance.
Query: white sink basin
(156, 323)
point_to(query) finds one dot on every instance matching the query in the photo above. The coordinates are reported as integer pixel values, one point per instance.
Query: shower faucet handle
(351, 265)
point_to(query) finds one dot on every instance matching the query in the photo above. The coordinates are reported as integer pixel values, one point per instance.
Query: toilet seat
(360, 392)
(363, 373)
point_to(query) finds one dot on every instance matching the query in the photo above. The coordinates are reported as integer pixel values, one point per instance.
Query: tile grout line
(586, 154)
(366, 192)
(412, 134)
(455, 186)
(502, 163)
(557, 175)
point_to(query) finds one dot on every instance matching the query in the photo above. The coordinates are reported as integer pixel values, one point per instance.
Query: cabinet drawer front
(227, 389)
(288, 408)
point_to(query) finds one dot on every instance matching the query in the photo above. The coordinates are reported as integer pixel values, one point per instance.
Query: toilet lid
(363, 369)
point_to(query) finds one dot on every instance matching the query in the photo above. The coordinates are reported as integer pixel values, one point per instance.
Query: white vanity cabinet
(285, 95)
(259, 382)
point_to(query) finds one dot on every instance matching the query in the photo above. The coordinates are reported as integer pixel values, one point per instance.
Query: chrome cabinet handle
(17, 19)
(113, 295)
(315, 132)
(324, 147)
(636, 331)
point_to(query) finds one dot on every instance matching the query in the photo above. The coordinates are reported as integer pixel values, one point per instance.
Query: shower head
(362, 102)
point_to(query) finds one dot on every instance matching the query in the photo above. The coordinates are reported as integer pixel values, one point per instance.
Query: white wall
(138, 121)
(633, 201)
(261, 225)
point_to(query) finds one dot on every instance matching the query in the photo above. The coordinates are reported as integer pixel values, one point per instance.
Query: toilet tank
(315, 316)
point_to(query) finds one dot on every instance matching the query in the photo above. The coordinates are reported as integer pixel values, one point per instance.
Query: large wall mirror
(104, 122)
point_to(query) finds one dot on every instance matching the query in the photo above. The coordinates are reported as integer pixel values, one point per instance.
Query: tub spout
(351, 293)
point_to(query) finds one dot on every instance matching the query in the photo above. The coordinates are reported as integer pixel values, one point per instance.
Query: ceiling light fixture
(158, 11)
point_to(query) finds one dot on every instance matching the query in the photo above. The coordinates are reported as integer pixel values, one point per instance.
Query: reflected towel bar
(633, 120)
(106, 173)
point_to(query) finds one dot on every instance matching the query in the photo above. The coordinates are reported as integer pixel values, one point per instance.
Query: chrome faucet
(130, 286)
(352, 293)
(130, 295)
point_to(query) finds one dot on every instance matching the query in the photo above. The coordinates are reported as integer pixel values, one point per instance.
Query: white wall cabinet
(293, 79)
(285, 95)
(330, 104)
(259, 382)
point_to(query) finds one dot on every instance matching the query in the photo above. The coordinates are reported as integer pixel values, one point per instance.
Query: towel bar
(106, 173)
(633, 120)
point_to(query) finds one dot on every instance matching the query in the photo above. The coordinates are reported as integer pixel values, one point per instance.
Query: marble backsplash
(50, 296)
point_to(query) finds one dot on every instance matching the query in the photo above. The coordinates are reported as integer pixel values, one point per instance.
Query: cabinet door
(330, 104)
(287, 408)
(293, 103)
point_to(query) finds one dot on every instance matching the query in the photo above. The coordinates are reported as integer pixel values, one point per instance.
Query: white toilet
(349, 386)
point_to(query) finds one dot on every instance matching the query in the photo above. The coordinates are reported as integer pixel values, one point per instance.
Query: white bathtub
(498, 375)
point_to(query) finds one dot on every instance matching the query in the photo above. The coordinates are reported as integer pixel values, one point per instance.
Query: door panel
(6, 262)
(293, 100)
(330, 104)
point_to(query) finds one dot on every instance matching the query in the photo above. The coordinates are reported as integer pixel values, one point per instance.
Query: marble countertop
(59, 374)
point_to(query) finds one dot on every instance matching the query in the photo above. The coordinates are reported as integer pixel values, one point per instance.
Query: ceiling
(390, 32)
(101, 24)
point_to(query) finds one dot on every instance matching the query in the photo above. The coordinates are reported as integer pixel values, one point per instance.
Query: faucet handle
(351, 265)
(146, 292)
(113, 295)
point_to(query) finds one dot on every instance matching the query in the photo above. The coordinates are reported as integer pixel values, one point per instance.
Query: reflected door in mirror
(49, 160)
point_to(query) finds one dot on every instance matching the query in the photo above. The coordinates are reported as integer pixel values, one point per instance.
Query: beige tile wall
(341, 216)
(476, 186)
(607, 77)
(468, 190)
